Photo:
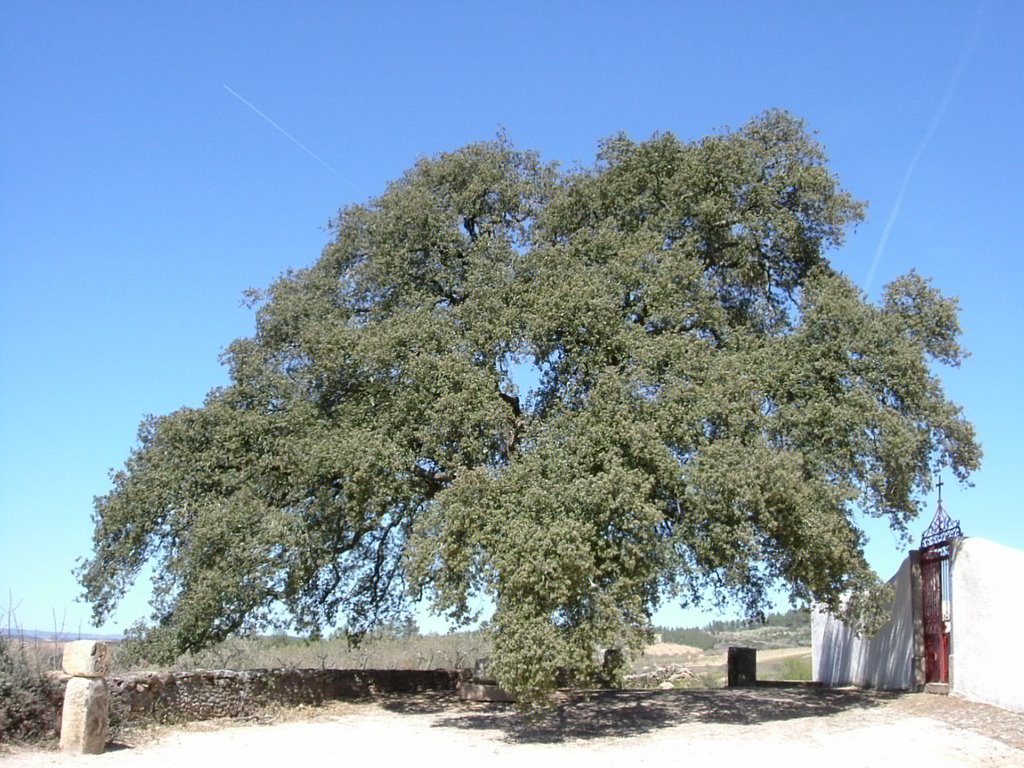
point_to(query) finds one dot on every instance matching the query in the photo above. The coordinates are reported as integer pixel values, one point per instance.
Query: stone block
(85, 722)
(483, 692)
(612, 660)
(742, 666)
(86, 658)
(482, 669)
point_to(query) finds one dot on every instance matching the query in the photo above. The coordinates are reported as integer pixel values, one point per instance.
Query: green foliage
(797, 617)
(774, 630)
(868, 609)
(797, 668)
(712, 402)
(28, 696)
(144, 645)
(791, 668)
(697, 638)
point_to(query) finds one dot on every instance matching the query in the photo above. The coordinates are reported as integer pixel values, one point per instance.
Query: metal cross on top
(942, 528)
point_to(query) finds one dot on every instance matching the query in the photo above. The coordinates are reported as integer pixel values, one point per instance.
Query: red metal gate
(935, 587)
(936, 591)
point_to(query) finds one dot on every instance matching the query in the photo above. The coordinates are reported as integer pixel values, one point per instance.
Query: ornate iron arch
(942, 528)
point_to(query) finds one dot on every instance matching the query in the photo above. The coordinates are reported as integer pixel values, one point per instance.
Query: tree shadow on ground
(621, 714)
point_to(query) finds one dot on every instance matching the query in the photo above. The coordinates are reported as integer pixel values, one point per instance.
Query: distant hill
(50, 636)
(777, 630)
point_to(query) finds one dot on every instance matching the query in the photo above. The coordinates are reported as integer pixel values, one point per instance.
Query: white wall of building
(840, 657)
(988, 623)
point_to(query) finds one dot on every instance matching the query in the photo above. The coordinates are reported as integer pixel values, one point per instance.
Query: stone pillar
(742, 666)
(612, 662)
(85, 722)
(917, 619)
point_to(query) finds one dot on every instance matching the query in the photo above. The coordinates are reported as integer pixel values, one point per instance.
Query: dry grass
(375, 651)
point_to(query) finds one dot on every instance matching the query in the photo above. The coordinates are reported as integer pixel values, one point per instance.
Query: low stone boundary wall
(202, 695)
(662, 677)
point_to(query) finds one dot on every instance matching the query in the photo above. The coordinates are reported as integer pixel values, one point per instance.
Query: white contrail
(933, 126)
(295, 141)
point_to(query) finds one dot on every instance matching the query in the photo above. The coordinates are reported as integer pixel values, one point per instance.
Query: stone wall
(202, 695)
(657, 678)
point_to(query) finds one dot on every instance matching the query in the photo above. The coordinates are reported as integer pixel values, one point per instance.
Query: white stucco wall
(988, 623)
(840, 657)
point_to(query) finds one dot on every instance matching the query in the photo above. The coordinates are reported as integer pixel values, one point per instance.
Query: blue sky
(158, 159)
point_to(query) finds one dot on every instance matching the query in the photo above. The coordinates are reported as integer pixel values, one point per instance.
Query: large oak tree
(576, 394)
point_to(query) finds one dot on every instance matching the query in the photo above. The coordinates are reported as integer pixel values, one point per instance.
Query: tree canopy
(574, 393)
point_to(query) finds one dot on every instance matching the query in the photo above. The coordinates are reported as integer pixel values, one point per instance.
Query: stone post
(917, 669)
(85, 722)
(742, 666)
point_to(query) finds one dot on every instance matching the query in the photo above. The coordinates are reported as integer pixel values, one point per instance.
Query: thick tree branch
(436, 480)
(513, 402)
(516, 429)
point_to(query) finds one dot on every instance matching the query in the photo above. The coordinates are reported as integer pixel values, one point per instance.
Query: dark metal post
(742, 666)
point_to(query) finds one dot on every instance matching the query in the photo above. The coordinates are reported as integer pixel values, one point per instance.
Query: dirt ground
(764, 726)
(672, 649)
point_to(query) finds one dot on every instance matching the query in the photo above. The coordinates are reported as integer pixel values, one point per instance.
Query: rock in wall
(203, 695)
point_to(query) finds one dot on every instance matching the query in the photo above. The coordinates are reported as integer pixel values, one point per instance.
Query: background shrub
(28, 696)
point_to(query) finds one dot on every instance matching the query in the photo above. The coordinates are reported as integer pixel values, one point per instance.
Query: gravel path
(765, 726)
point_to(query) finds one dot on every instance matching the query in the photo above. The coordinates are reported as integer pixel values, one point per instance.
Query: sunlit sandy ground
(791, 727)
